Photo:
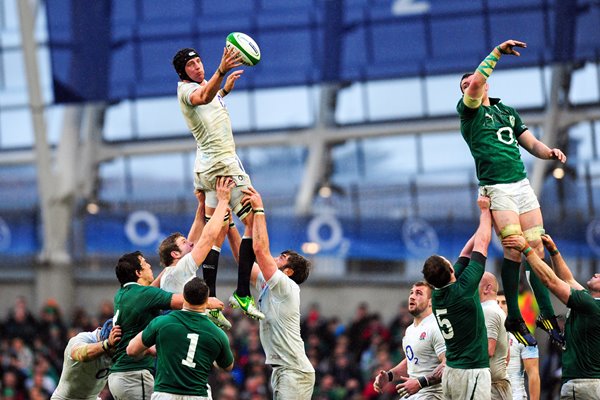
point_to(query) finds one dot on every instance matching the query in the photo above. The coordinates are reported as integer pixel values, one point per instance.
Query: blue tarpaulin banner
(114, 233)
(112, 50)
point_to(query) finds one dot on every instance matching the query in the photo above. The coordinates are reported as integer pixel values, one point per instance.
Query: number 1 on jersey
(189, 360)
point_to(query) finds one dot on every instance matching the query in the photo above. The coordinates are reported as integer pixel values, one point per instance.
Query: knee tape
(242, 211)
(510, 230)
(225, 219)
(534, 234)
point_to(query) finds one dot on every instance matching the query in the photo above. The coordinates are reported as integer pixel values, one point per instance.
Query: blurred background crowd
(346, 354)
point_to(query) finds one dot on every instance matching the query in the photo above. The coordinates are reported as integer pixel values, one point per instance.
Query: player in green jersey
(187, 344)
(459, 315)
(136, 303)
(581, 358)
(494, 131)
(181, 256)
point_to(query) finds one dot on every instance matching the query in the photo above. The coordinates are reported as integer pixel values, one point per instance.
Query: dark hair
(166, 247)
(180, 60)
(298, 264)
(465, 75)
(500, 293)
(127, 266)
(195, 291)
(436, 271)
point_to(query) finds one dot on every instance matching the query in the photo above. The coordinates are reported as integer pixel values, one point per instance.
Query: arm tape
(81, 353)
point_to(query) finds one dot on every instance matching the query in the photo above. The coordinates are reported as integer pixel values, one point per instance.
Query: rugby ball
(246, 45)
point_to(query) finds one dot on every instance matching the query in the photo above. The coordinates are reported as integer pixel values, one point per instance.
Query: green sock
(511, 271)
(541, 292)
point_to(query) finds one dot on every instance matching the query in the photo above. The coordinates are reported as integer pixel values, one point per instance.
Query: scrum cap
(181, 58)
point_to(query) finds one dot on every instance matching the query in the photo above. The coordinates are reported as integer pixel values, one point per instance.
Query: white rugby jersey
(210, 125)
(82, 380)
(494, 323)
(175, 277)
(422, 345)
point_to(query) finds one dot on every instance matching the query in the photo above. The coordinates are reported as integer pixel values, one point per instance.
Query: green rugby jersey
(581, 359)
(491, 133)
(135, 307)
(187, 344)
(458, 313)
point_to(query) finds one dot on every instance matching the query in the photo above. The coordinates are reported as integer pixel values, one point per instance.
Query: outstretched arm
(260, 237)
(198, 224)
(560, 266)
(483, 235)
(560, 288)
(206, 93)
(539, 149)
(214, 226)
(474, 86)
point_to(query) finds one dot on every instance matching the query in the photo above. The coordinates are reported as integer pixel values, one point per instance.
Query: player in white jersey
(497, 337)
(203, 108)
(175, 253)
(522, 359)
(421, 370)
(183, 256)
(277, 280)
(86, 363)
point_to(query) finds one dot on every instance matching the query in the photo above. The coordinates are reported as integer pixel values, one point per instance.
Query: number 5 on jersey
(444, 323)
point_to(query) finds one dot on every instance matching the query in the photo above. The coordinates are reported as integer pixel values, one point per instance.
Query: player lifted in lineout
(203, 108)
(493, 131)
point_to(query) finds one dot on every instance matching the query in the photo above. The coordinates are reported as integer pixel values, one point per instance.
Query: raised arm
(260, 240)
(206, 93)
(561, 269)
(560, 288)
(474, 86)
(198, 224)
(483, 235)
(213, 227)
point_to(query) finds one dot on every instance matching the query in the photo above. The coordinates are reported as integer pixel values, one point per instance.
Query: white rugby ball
(246, 45)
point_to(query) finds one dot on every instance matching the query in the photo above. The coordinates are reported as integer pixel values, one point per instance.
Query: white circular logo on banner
(329, 222)
(4, 235)
(142, 218)
(419, 237)
(592, 235)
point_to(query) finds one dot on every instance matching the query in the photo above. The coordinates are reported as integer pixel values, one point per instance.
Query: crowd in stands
(346, 354)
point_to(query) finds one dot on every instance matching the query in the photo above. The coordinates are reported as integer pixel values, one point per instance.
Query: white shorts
(460, 384)
(518, 197)
(171, 396)
(131, 385)
(231, 167)
(580, 389)
(292, 384)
